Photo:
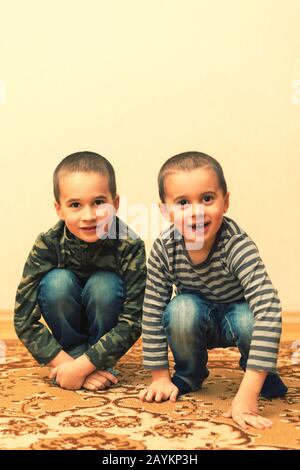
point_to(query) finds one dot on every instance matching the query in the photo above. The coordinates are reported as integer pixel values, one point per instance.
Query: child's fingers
(108, 375)
(257, 422)
(227, 414)
(99, 378)
(102, 381)
(159, 397)
(101, 374)
(96, 383)
(174, 394)
(106, 383)
(253, 421)
(97, 386)
(143, 394)
(88, 386)
(240, 421)
(150, 395)
(53, 373)
(267, 422)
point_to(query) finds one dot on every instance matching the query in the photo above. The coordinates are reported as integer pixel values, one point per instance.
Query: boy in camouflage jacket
(85, 277)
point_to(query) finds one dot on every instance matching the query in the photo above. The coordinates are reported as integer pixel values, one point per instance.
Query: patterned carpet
(37, 415)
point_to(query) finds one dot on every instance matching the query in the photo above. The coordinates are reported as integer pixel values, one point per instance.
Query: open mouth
(89, 229)
(199, 226)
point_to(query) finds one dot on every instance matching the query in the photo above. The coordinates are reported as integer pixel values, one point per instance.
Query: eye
(182, 202)
(208, 198)
(75, 205)
(98, 202)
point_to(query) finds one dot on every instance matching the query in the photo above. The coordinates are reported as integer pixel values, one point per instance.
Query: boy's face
(184, 191)
(81, 195)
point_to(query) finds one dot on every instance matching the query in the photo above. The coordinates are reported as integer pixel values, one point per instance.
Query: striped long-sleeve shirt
(233, 271)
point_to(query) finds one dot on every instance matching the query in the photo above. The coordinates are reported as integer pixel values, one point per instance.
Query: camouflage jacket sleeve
(33, 334)
(113, 345)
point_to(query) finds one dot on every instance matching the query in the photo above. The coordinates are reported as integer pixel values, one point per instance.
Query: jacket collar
(75, 241)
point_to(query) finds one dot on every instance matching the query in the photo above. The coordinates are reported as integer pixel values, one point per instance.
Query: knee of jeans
(183, 312)
(103, 287)
(57, 285)
(244, 328)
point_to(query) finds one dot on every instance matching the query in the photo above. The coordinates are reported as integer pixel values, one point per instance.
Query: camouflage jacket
(57, 248)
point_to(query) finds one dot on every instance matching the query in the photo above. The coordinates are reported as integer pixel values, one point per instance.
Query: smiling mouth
(199, 226)
(89, 229)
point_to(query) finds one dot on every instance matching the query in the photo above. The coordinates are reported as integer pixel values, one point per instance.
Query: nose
(88, 214)
(197, 211)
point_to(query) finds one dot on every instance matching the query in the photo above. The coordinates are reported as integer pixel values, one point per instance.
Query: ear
(116, 202)
(226, 206)
(165, 211)
(58, 210)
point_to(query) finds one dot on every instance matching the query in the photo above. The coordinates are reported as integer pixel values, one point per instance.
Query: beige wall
(139, 81)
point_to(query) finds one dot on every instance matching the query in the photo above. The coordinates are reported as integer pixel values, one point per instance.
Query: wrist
(161, 374)
(59, 359)
(246, 395)
(251, 384)
(84, 365)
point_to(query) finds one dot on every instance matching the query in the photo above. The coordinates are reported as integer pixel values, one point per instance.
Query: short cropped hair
(186, 162)
(84, 162)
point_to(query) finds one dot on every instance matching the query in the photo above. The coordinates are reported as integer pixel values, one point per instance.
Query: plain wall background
(139, 81)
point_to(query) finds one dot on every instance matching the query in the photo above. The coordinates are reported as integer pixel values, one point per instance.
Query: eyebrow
(78, 199)
(202, 194)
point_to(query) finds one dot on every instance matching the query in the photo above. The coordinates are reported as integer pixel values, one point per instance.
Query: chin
(92, 239)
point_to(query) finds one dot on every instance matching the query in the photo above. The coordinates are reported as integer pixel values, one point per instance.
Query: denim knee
(57, 286)
(237, 329)
(183, 318)
(103, 288)
(183, 311)
(241, 322)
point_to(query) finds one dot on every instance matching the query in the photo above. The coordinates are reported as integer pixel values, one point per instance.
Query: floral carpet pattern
(35, 414)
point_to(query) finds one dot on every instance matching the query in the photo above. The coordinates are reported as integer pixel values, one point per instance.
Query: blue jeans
(194, 325)
(79, 312)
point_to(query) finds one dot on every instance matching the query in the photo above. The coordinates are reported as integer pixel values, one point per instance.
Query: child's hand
(68, 375)
(245, 412)
(160, 390)
(99, 380)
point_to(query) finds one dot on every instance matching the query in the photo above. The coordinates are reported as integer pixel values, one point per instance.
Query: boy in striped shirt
(224, 296)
